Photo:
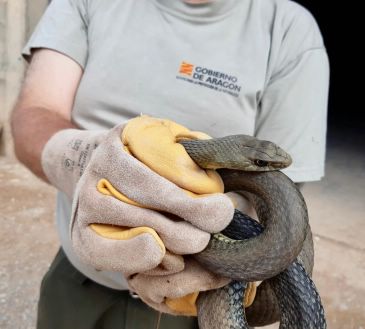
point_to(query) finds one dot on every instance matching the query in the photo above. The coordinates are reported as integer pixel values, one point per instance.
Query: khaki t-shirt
(256, 67)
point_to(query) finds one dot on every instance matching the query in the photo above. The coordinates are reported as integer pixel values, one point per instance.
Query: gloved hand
(66, 155)
(242, 204)
(177, 293)
(124, 187)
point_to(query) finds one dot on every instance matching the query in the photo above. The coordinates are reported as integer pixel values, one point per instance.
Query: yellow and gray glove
(66, 156)
(142, 204)
(177, 293)
(142, 201)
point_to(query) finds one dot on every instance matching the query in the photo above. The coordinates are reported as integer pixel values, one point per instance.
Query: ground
(336, 207)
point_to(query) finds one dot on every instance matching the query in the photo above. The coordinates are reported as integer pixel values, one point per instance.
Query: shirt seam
(51, 43)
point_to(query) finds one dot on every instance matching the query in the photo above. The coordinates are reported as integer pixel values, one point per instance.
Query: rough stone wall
(3, 64)
(17, 20)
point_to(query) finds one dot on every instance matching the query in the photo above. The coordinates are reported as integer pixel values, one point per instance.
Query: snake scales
(278, 250)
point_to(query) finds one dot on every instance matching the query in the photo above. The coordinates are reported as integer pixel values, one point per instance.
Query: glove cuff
(66, 155)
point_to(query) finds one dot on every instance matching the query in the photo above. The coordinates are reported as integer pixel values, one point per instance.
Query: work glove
(66, 156)
(177, 293)
(241, 203)
(142, 202)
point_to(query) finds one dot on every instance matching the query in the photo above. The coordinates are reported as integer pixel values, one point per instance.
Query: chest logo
(209, 78)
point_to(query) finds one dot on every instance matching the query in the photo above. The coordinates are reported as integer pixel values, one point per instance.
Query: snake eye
(261, 163)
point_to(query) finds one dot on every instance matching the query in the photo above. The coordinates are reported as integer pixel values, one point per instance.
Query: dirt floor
(336, 206)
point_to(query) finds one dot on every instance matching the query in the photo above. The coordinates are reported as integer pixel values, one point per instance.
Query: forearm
(32, 127)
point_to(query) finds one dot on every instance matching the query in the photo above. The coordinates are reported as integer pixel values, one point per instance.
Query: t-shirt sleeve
(293, 107)
(62, 28)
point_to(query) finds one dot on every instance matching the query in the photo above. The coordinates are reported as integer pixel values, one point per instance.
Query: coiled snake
(277, 251)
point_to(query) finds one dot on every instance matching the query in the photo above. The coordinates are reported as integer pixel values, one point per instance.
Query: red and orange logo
(186, 68)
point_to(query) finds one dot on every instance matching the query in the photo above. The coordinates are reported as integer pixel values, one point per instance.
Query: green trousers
(69, 300)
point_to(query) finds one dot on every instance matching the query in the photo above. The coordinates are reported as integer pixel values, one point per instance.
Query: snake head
(260, 155)
(241, 152)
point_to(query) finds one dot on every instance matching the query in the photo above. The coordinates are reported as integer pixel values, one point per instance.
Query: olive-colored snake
(277, 251)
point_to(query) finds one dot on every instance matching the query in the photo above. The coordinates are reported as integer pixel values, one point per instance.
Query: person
(223, 67)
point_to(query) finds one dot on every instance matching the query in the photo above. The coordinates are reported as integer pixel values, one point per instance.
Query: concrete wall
(17, 20)
(35, 9)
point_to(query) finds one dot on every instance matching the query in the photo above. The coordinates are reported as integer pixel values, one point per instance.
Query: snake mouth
(277, 165)
(269, 157)
(265, 165)
(285, 158)
(263, 162)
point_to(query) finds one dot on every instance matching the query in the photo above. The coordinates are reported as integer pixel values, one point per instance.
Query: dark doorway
(339, 22)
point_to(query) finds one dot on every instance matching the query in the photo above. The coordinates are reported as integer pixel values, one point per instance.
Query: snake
(277, 250)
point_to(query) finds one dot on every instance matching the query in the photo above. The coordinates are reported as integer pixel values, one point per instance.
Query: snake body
(296, 302)
(279, 250)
